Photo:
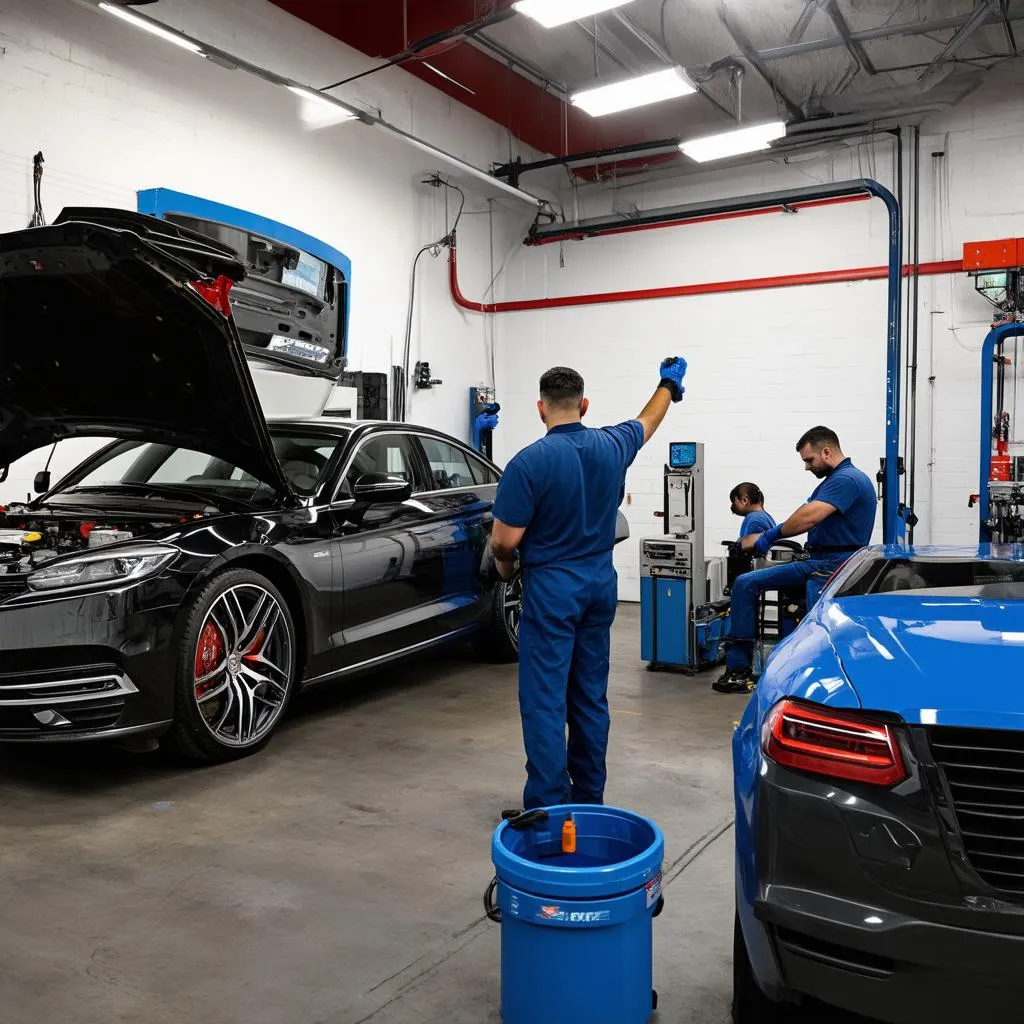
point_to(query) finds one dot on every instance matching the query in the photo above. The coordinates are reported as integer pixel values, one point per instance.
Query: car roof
(336, 425)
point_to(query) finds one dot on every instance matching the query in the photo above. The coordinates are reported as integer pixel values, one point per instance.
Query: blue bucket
(576, 928)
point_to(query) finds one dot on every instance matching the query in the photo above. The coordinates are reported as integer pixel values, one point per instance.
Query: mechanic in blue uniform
(838, 519)
(557, 505)
(747, 500)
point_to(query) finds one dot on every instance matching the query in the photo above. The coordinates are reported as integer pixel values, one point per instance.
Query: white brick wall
(767, 364)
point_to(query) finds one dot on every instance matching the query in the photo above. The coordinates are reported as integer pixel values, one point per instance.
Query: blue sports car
(879, 774)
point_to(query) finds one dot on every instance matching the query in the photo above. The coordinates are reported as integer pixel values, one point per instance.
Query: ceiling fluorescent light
(551, 13)
(323, 100)
(634, 92)
(734, 143)
(148, 25)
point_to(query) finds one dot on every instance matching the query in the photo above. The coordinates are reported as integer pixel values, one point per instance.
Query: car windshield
(938, 576)
(303, 458)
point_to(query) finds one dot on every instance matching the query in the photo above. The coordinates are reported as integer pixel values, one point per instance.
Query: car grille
(80, 699)
(12, 584)
(78, 717)
(984, 769)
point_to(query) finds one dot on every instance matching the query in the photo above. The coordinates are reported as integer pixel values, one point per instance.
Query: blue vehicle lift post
(993, 340)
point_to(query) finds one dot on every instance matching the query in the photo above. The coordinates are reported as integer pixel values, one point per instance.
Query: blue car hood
(933, 660)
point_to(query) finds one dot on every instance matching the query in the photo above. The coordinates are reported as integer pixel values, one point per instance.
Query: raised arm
(670, 389)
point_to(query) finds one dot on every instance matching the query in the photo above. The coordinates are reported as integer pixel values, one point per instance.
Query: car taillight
(216, 293)
(812, 738)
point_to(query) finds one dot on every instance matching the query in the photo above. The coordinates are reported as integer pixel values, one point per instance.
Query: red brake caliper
(209, 653)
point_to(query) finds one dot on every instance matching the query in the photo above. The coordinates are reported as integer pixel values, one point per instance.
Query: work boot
(734, 680)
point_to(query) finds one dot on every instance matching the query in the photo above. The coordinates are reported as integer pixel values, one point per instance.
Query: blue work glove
(766, 540)
(673, 370)
(487, 421)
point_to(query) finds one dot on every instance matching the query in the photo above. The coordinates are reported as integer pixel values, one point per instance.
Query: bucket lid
(547, 878)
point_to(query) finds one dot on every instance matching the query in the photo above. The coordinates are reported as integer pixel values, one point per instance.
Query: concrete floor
(336, 878)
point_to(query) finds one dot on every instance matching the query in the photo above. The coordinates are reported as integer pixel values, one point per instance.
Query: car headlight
(103, 568)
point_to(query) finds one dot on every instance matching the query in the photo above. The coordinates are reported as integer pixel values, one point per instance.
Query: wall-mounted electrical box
(994, 255)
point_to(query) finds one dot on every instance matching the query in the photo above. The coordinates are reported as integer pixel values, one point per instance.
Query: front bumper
(88, 666)
(861, 904)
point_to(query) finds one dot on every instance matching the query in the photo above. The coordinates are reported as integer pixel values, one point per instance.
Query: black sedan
(202, 567)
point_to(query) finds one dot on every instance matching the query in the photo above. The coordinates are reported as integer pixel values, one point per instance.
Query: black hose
(898, 133)
(434, 248)
(38, 218)
(912, 461)
(491, 909)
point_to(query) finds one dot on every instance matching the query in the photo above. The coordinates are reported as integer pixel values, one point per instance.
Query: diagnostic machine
(682, 609)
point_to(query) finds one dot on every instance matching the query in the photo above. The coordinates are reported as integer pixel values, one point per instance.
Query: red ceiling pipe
(627, 228)
(677, 291)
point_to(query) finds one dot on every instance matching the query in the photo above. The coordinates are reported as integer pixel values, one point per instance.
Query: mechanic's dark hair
(818, 438)
(747, 490)
(561, 386)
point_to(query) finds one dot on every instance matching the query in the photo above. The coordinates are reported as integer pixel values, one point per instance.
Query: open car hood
(119, 326)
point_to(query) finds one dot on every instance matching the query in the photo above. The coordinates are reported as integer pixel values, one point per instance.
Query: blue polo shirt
(566, 488)
(856, 502)
(756, 522)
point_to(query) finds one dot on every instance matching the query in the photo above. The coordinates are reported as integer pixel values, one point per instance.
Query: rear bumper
(902, 971)
(857, 903)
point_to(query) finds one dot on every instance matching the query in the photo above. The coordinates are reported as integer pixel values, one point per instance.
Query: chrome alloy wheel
(511, 603)
(243, 665)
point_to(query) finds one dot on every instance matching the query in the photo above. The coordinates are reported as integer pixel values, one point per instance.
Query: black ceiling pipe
(515, 168)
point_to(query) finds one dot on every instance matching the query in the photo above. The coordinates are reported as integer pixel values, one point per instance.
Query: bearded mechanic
(557, 504)
(838, 519)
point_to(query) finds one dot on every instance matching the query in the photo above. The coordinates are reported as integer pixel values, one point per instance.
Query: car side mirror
(41, 483)
(375, 488)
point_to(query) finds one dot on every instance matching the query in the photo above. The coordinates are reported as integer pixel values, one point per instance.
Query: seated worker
(838, 519)
(747, 500)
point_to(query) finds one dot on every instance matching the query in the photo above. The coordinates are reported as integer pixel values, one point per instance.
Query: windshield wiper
(165, 491)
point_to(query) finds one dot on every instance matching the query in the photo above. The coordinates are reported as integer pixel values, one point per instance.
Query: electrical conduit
(682, 290)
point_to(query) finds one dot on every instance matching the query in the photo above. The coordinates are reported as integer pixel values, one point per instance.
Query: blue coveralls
(756, 522)
(829, 544)
(565, 490)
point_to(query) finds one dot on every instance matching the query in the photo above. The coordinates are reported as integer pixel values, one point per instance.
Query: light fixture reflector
(735, 143)
(552, 13)
(341, 112)
(634, 92)
(168, 35)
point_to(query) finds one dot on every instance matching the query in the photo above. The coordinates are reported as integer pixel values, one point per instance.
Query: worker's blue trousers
(564, 639)
(746, 589)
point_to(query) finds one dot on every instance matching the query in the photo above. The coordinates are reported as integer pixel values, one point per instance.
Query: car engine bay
(31, 537)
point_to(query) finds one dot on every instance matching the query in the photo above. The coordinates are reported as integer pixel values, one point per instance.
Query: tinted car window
(303, 460)
(937, 575)
(449, 466)
(390, 454)
(482, 473)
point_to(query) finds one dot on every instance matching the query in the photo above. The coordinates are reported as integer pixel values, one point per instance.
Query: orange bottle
(569, 836)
